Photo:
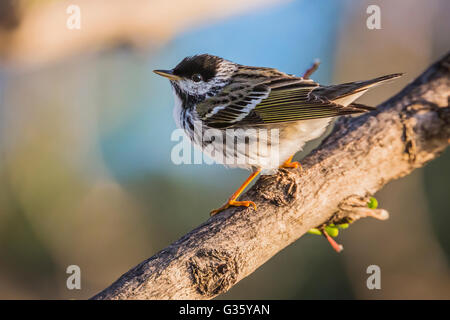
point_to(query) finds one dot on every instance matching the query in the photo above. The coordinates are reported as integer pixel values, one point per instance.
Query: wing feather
(254, 99)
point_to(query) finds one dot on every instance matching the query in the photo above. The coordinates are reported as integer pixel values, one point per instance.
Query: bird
(236, 113)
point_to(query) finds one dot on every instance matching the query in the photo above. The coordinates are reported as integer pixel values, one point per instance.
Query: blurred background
(85, 171)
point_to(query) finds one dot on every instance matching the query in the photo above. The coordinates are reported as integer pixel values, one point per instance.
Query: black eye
(196, 77)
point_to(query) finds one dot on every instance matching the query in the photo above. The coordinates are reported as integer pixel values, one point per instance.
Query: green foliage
(333, 229)
(373, 203)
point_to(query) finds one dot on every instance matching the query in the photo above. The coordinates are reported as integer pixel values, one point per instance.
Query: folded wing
(282, 98)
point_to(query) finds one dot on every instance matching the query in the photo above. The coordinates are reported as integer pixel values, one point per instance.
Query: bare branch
(358, 158)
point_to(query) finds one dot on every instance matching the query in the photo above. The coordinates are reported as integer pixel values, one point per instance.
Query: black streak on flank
(204, 64)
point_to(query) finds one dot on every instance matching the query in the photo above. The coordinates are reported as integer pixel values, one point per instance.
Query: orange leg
(232, 201)
(289, 164)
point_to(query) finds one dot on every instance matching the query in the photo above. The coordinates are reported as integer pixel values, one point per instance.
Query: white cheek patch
(194, 88)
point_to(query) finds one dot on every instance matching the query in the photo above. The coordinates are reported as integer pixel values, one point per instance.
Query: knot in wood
(213, 271)
(279, 189)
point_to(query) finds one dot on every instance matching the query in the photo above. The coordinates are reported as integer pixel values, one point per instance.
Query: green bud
(332, 231)
(315, 231)
(373, 203)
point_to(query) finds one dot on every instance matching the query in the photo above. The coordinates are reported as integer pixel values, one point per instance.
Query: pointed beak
(167, 73)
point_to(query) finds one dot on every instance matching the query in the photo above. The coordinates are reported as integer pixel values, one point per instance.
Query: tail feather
(361, 107)
(381, 79)
(345, 93)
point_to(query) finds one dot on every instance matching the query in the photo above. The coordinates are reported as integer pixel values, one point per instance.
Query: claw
(294, 165)
(291, 164)
(233, 203)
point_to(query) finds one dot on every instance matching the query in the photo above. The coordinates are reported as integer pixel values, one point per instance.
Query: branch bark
(357, 159)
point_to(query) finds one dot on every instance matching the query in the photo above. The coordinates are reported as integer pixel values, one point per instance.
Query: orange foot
(291, 164)
(233, 203)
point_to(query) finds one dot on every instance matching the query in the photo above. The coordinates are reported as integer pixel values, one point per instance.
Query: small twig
(354, 208)
(311, 69)
(336, 246)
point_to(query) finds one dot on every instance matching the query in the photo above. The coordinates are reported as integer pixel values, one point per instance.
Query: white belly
(293, 137)
(267, 149)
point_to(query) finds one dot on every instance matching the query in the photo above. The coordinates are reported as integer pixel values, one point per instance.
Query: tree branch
(357, 159)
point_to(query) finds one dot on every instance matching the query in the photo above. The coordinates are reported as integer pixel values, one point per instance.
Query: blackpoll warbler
(213, 93)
